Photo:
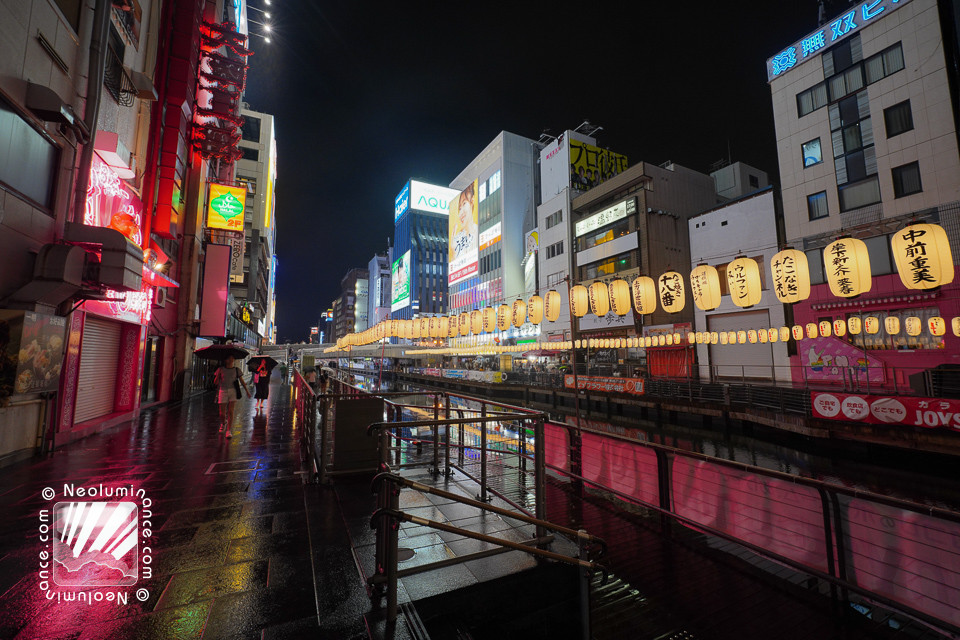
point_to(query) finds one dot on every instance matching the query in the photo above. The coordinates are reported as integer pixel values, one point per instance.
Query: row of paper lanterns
(854, 325)
(921, 251)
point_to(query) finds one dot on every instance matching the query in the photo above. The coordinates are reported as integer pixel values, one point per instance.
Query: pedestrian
(311, 378)
(228, 380)
(283, 372)
(324, 382)
(261, 383)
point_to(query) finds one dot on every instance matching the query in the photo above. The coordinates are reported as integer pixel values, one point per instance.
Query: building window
(555, 249)
(812, 99)
(817, 205)
(812, 153)
(610, 266)
(555, 278)
(906, 180)
(28, 161)
(815, 262)
(842, 81)
(878, 248)
(115, 78)
(250, 154)
(884, 63)
(859, 194)
(71, 11)
(898, 119)
(901, 341)
(754, 181)
(251, 129)
(554, 219)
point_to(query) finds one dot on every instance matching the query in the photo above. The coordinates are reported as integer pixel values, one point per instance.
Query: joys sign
(902, 410)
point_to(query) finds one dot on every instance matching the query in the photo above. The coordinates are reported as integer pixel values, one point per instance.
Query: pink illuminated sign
(111, 203)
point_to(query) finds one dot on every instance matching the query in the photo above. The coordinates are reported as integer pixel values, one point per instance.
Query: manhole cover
(404, 554)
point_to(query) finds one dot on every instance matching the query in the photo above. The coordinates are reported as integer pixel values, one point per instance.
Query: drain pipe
(95, 73)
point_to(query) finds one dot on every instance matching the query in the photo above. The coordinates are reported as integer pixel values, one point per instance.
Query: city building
(350, 307)
(735, 179)
(633, 224)
(493, 212)
(563, 160)
(419, 262)
(379, 290)
(748, 226)
(866, 115)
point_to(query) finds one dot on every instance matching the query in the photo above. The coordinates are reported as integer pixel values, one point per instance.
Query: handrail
(376, 426)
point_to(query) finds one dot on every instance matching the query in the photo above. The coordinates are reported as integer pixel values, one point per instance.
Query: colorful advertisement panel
(225, 205)
(633, 386)
(430, 197)
(402, 202)
(31, 352)
(901, 410)
(400, 283)
(464, 237)
(490, 236)
(590, 165)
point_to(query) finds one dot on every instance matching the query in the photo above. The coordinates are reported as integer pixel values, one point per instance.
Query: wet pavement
(224, 540)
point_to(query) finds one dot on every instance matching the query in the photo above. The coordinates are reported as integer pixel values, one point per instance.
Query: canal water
(925, 478)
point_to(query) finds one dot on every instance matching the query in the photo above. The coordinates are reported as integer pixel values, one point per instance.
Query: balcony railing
(117, 80)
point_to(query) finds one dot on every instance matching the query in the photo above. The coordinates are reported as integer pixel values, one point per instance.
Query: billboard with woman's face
(464, 239)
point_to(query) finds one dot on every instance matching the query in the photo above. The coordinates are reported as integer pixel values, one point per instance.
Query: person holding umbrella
(228, 381)
(261, 366)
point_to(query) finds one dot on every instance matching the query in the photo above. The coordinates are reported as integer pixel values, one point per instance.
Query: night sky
(369, 94)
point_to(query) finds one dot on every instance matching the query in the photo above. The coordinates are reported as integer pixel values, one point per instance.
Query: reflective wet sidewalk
(225, 544)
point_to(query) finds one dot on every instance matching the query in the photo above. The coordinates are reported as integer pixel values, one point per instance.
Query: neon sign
(111, 204)
(831, 33)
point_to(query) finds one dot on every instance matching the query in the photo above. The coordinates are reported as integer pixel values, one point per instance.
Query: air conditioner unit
(160, 297)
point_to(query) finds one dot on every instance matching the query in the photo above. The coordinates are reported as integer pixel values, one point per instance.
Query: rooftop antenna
(821, 13)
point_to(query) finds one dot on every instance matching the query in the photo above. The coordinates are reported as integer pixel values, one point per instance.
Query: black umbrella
(254, 363)
(221, 352)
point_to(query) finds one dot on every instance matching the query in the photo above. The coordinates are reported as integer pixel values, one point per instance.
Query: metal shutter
(99, 356)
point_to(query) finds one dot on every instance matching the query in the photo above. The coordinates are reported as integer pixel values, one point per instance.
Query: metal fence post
(436, 436)
(540, 476)
(483, 454)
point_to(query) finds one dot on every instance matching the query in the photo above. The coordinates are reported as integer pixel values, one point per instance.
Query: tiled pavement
(230, 543)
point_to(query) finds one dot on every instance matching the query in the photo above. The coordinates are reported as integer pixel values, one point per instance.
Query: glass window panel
(879, 249)
(854, 79)
(838, 87)
(856, 168)
(906, 180)
(812, 154)
(898, 118)
(815, 262)
(849, 112)
(860, 194)
(873, 68)
(819, 93)
(817, 205)
(892, 60)
(851, 139)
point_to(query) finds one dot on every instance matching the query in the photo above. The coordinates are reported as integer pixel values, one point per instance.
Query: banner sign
(225, 206)
(903, 410)
(633, 386)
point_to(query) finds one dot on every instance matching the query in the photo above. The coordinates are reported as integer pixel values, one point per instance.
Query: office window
(71, 11)
(812, 153)
(817, 205)
(859, 194)
(898, 118)
(815, 262)
(906, 180)
(250, 154)
(28, 161)
(754, 181)
(555, 249)
(812, 99)
(554, 219)
(878, 247)
(251, 129)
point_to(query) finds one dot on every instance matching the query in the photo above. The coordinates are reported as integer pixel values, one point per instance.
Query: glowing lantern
(784, 334)
(578, 344)
(723, 337)
(763, 336)
(599, 299)
(476, 322)
(519, 312)
(741, 337)
(692, 338)
(913, 325)
(579, 300)
(955, 326)
(871, 324)
(667, 340)
(463, 323)
(661, 340)
(444, 326)
(892, 325)
(797, 332)
(714, 337)
(791, 275)
(415, 328)
(699, 337)
(743, 282)
(826, 328)
(937, 326)
(839, 328)
(434, 324)
(644, 295)
(672, 297)
(752, 336)
(922, 254)
(535, 309)
(812, 329)
(424, 327)
(705, 287)
(854, 325)
(773, 334)
(619, 292)
(503, 317)
(551, 306)
(453, 326)
(847, 267)
(732, 337)
(489, 320)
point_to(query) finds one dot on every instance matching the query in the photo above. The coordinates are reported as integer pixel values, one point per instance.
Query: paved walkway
(229, 549)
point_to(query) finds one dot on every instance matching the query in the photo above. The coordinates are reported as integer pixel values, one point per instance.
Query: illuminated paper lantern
(751, 336)
(504, 314)
(415, 328)
(791, 275)
(519, 312)
(489, 319)
(670, 290)
(434, 324)
(936, 326)
(812, 330)
(619, 292)
(846, 264)
(723, 337)
(463, 322)
(784, 334)
(692, 338)
(453, 326)
(891, 325)
(714, 337)
(578, 344)
(424, 327)
(763, 335)
(705, 287)
(677, 337)
(535, 309)
(599, 299)
(773, 334)
(955, 326)
(913, 325)
(826, 328)
(667, 340)
(579, 300)
(797, 332)
(743, 282)
(699, 337)
(444, 326)
(922, 254)
(839, 328)
(741, 337)
(644, 292)
(476, 322)
(732, 337)
(854, 325)
(871, 324)
(551, 306)
(661, 340)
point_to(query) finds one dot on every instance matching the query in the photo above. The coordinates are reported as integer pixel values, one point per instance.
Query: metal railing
(886, 551)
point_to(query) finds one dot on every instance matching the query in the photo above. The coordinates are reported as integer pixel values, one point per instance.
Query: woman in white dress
(224, 377)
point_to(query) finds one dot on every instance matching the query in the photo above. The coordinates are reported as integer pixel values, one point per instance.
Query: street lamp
(266, 14)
